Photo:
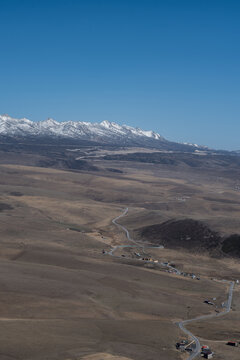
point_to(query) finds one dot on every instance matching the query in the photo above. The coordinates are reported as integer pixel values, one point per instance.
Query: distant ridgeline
(104, 132)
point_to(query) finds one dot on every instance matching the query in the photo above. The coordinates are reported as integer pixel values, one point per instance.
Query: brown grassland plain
(62, 299)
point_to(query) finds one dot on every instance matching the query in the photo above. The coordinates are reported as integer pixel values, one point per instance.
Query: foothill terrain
(63, 297)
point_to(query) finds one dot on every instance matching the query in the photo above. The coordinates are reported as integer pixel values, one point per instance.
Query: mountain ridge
(66, 128)
(104, 132)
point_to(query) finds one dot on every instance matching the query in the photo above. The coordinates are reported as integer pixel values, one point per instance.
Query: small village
(206, 352)
(184, 345)
(166, 266)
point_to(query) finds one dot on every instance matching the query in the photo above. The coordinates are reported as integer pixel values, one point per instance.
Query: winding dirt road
(181, 324)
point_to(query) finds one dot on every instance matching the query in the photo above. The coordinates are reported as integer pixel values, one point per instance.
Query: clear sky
(170, 66)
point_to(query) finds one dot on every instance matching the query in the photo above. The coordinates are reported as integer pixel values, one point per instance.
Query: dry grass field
(62, 299)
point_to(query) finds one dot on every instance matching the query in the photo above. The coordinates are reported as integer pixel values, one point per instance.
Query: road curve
(180, 324)
(114, 221)
(206, 317)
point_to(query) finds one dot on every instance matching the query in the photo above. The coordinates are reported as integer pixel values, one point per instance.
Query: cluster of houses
(145, 258)
(193, 276)
(173, 270)
(149, 259)
(206, 352)
(170, 267)
(184, 345)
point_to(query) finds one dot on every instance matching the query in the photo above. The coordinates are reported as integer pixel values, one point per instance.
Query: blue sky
(171, 66)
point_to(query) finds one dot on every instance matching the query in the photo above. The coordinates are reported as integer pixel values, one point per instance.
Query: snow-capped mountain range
(104, 132)
(72, 129)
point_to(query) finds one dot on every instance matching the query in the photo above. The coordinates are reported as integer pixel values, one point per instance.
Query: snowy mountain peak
(111, 125)
(5, 117)
(49, 122)
(105, 123)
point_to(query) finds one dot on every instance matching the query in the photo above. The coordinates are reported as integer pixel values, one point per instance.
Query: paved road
(206, 317)
(136, 244)
(181, 324)
(114, 221)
